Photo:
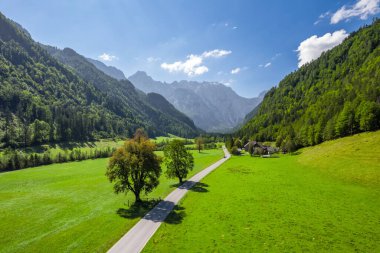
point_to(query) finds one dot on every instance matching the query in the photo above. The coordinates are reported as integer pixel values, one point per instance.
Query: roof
(255, 143)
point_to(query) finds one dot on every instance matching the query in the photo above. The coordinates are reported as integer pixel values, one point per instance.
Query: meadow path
(138, 236)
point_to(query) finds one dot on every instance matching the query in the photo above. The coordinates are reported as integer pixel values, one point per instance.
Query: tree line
(16, 159)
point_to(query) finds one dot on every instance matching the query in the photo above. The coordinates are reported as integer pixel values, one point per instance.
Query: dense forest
(336, 95)
(125, 98)
(43, 100)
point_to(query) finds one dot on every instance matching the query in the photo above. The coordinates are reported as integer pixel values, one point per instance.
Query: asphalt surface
(138, 236)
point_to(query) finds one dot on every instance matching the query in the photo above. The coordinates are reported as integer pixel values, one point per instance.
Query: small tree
(235, 150)
(178, 160)
(238, 143)
(199, 143)
(250, 148)
(135, 167)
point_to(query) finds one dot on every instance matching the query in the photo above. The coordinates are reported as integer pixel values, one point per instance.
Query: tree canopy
(135, 167)
(178, 160)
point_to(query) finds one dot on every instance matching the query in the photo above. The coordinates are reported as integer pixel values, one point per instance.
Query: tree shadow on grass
(137, 210)
(199, 187)
(191, 186)
(176, 215)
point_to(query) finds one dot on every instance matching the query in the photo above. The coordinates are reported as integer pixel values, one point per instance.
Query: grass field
(169, 138)
(71, 207)
(326, 199)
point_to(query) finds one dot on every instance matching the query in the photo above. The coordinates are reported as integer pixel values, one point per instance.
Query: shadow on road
(192, 186)
(164, 211)
(137, 210)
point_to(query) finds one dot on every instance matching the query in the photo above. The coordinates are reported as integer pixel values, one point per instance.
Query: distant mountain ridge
(125, 96)
(212, 106)
(109, 70)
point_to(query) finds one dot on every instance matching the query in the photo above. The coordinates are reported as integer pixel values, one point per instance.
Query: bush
(235, 151)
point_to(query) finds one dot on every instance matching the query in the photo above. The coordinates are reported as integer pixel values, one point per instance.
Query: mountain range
(53, 95)
(212, 106)
(109, 70)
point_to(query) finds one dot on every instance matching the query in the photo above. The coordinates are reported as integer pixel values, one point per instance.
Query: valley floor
(71, 207)
(325, 199)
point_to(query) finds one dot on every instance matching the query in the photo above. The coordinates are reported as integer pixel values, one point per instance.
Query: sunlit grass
(326, 199)
(70, 207)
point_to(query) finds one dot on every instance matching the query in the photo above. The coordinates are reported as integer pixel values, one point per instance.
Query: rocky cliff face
(212, 106)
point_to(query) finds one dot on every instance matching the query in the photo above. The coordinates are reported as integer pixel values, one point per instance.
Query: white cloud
(107, 57)
(312, 47)
(191, 67)
(266, 65)
(216, 53)
(228, 82)
(362, 9)
(235, 71)
(194, 66)
(234, 28)
(153, 59)
(322, 16)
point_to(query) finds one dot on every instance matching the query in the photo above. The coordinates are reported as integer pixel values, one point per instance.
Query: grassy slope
(70, 207)
(327, 199)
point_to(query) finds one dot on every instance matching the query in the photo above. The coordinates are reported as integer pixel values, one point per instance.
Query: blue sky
(248, 45)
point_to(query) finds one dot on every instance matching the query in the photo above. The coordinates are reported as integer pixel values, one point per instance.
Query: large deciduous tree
(178, 160)
(135, 167)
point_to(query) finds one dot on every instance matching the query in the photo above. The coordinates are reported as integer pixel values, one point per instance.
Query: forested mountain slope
(125, 97)
(43, 100)
(336, 95)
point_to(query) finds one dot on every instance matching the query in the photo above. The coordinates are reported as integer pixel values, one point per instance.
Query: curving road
(138, 236)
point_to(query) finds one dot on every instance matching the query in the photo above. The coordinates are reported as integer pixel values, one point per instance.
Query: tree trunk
(137, 197)
(180, 180)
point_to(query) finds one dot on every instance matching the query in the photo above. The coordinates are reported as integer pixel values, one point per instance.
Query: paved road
(137, 237)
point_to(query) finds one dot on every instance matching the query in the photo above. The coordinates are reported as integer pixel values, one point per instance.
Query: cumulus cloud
(107, 57)
(312, 47)
(362, 9)
(193, 65)
(235, 70)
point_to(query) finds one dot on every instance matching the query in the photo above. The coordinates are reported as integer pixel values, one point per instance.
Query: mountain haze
(124, 95)
(212, 106)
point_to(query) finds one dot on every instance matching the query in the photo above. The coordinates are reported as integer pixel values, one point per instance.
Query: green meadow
(322, 199)
(71, 207)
